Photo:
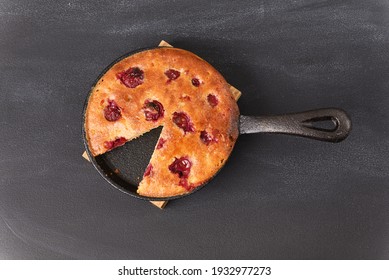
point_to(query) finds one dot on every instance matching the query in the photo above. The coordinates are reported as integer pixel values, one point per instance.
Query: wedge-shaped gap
(125, 165)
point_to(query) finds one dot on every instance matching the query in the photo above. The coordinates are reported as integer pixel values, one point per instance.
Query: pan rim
(92, 158)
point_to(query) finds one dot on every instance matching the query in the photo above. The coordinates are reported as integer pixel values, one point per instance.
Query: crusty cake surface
(200, 95)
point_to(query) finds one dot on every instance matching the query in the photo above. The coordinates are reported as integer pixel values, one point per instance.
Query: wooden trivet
(235, 93)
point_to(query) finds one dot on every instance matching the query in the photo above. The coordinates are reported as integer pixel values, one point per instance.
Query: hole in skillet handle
(323, 123)
(331, 124)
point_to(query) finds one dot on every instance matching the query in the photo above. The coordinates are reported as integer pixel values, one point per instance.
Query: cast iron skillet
(123, 167)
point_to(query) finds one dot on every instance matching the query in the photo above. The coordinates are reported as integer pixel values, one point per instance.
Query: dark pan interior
(125, 165)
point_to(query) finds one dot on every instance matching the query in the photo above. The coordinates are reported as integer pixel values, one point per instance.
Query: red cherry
(112, 111)
(181, 166)
(160, 144)
(153, 110)
(119, 141)
(172, 74)
(212, 100)
(132, 77)
(182, 120)
(196, 82)
(206, 138)
(148, 171)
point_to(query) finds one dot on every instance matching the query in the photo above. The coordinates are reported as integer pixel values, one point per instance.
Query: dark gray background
(279, 197)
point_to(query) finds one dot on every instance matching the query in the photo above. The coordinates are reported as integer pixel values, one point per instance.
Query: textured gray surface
(278, 197)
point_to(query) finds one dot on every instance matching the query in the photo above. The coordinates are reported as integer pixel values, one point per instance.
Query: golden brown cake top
(183, 93)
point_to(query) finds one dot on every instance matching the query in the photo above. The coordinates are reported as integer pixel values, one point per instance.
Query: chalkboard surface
(278, 197)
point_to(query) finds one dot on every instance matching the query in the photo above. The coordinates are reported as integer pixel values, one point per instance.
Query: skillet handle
(305, 124)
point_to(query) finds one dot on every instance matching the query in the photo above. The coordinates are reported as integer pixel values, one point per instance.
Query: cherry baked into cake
(175, 89)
